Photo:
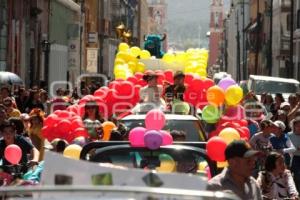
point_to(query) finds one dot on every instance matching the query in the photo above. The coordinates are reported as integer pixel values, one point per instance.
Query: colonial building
(234, 53)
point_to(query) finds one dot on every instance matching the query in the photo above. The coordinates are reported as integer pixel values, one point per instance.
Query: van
(272, 85)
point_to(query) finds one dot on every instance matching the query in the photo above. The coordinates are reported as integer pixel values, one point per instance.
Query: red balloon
(63, 127)
(138, 75)
(64, 114)
(213, 133)
(142, 83)
(77, 123)
(243, 122)
(207, 83)
(188, 79)
(119, 80)
(244, 132)
(132, 79)
(51, 120)
(197, 84)
(190, 96)
(126, 90)
(114, 85)
(235, 113)
(100, 93)
(13, 154)
(80, 132)
(161, 78)
(215, 149)
(169, 76)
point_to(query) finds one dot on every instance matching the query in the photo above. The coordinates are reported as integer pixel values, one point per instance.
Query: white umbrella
(9, 78)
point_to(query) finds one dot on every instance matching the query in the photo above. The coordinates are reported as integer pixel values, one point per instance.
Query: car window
(190, 127)
(162, 160)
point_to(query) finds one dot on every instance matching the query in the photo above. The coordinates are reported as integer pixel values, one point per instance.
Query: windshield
(162, 160)
(260, 86)
(191, 128)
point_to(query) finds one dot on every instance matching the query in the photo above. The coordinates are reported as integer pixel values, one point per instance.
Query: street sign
(93, 37)
(92, 60)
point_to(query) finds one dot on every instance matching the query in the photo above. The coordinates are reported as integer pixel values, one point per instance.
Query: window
(288, 22)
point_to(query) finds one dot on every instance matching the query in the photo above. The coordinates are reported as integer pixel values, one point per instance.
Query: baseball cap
(282, 105)
(266, 123)
(239, 148)
(280, 125)
(179, 74)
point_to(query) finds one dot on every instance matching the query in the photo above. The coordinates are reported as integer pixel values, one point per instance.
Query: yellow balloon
(132, 66)
(135, 51)
(222, 164)
(145, 54)
(202, 165)
(123, 47)
(167, 163)
(119, 61)
(122, 55)
(72, 151)
(233, 95)
(229, 135)
(140, 67)
(168, 58)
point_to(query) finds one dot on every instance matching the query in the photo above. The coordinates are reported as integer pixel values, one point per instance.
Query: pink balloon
(136, 137)
(167, 137)
(13, 154)
(155, 120)
(153, 139)
(226, 83)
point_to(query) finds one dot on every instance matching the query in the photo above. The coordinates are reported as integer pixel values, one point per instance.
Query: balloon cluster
(127, 61)
(230, 124)
(65, 125)
(152, 136)
(194, 61)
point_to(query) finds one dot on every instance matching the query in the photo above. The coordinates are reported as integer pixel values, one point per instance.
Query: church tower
(216, 30)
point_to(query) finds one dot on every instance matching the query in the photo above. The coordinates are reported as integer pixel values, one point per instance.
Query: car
(181, 157)
(272, 85)
(74, 192)
(189, 124)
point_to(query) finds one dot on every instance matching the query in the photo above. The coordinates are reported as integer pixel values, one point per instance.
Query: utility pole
(291, 63)
(270, 52)
(257, 38)
(243, 43)
(238, 54)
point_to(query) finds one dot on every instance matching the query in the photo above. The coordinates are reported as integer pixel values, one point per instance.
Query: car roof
(275, 79)
(168, 117)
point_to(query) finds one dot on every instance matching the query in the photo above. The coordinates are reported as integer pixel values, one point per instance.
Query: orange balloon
(215, 95)
(107, 129)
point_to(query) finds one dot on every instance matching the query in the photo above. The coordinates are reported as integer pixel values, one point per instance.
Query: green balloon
(211, 114)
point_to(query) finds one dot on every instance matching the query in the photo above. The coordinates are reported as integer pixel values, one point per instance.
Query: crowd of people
(266, 167)
(272, 155)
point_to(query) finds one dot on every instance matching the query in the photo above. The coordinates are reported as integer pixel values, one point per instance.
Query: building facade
(216, 31)
(281, 37)
(297, 39)
(235, 54)
(143, 21)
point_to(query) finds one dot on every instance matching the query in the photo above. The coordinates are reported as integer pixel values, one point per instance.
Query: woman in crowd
(150, 95)
(269, 103)
(92, 120)
(34, 101)
(278, 101)
(36, 125)
(295, 138)
(276, 181)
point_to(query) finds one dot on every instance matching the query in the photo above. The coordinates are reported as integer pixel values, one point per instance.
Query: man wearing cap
(237, 177)
(175, 91)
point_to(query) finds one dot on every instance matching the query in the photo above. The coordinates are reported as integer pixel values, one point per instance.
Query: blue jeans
(296, 171)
